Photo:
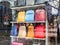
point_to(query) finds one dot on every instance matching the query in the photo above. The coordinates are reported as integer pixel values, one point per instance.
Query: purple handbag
(51, 10)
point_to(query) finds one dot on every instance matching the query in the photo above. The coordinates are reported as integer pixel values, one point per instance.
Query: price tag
(17, 43)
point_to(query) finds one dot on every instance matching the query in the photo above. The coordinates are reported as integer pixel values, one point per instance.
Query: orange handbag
(30, 31)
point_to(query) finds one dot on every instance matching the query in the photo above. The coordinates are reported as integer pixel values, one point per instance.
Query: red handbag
(40, 15)
(40, 28)
(17, 26)
(40, 31)
(39, 34)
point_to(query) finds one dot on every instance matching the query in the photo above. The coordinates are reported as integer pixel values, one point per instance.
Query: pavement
(4, 40)
(7, 40)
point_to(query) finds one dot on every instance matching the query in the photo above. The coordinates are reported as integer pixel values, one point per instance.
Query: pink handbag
(40, 15)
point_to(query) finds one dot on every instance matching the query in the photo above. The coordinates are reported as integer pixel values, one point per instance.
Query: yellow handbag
(30, 31)
(21, 16)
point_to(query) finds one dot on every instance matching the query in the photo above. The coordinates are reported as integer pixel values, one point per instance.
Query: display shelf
(29, 22)
(24, 7)
(28, 38)
(34, 7)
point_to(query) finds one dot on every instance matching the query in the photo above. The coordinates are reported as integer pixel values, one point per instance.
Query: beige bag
(22, 32)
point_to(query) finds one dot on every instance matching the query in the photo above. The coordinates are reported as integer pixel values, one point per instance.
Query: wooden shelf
(28, 38)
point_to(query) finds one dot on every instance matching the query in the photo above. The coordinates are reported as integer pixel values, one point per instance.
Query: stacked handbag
(29, 31)
(26, 30)
(31, 15)
(28, 2)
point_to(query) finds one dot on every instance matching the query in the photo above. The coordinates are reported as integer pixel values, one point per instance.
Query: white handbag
(30, 2)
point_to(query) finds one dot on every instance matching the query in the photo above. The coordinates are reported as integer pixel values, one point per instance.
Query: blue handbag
(30, 16)
(39, 1)
(2, 12)
(14, 30)
(21, 2)
(1, 7)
